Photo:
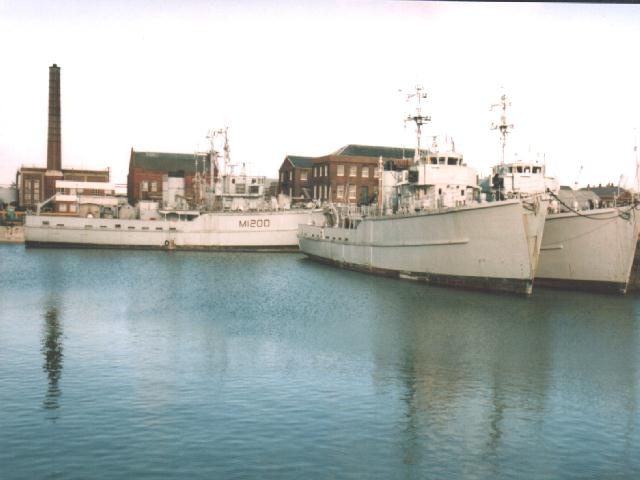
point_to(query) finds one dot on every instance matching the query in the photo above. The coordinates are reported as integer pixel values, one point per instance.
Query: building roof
(582, 197)
(608, 191)
(165, 162)
(300, 162)
(375, 151)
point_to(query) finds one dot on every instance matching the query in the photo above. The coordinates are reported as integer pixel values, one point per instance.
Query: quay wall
(11, 234)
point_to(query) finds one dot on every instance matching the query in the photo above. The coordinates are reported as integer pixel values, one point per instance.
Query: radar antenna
(418, 117)
(504, 127)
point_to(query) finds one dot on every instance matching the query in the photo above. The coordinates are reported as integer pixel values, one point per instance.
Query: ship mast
(504, 127)
(418, 118)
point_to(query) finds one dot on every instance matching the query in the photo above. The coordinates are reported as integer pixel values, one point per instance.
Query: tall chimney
(54, 150)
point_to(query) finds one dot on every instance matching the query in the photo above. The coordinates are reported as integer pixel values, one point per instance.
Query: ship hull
(593, 251)
(492, 246)
(250, 231)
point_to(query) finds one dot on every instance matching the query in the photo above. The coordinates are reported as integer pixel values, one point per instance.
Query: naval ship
(430, 224)
(231, 213)
(584, 247)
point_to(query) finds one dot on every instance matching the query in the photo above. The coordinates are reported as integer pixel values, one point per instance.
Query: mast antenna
(503, 126)
(418, 117)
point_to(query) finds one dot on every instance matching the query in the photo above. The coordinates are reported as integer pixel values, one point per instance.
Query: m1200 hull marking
(254, 223)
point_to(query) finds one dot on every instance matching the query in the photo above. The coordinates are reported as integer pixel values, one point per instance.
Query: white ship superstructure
(231, 213)
(429, 225)
(582, 248)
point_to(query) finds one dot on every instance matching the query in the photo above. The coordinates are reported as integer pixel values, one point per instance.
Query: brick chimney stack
(54, 149)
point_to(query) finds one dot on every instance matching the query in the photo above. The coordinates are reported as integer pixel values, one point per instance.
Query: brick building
(147, 170)
(349, 175)
(295, 177)
(37, 184)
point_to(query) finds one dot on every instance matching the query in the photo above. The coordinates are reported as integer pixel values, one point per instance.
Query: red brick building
(295, 177)
(147, 169)
(349, 175)
(36, 184)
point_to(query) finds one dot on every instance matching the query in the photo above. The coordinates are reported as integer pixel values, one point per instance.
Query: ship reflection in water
(52, 352)
(230, 365)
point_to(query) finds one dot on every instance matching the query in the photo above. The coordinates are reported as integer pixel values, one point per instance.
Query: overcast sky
(306, 78)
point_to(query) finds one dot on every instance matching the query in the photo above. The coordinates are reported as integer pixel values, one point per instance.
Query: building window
(353, 171)
(154, 186)
(303, 175)
(352, 192)
(72, 207)
(326, 170)
(340, 192)
(340, 171)
(376, 173)
(365, 172)
(315, 192)
(290, 175)
(62, 207)
(145, 186)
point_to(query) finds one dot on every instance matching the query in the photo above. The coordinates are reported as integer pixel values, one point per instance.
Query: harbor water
(174, 365)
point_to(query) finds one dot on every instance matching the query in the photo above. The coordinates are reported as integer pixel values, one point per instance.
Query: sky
(306, 78)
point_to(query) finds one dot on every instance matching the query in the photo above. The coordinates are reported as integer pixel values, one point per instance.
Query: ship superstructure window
(365, 172)
(340, 172)
(340, 192)
(353, 171)
(452, 161)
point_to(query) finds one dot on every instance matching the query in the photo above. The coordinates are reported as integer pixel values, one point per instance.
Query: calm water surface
(234, 365)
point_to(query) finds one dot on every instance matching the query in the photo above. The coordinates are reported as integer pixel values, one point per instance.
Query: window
(72, 207)
(365, 172)
(340, 171)
(340, 192)
(304, 176)
(352, 192)
(154, 186)
(326, 170)
(145, 186)
(376, 173)
(62, 207)
(353, 171)
(315, 192)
